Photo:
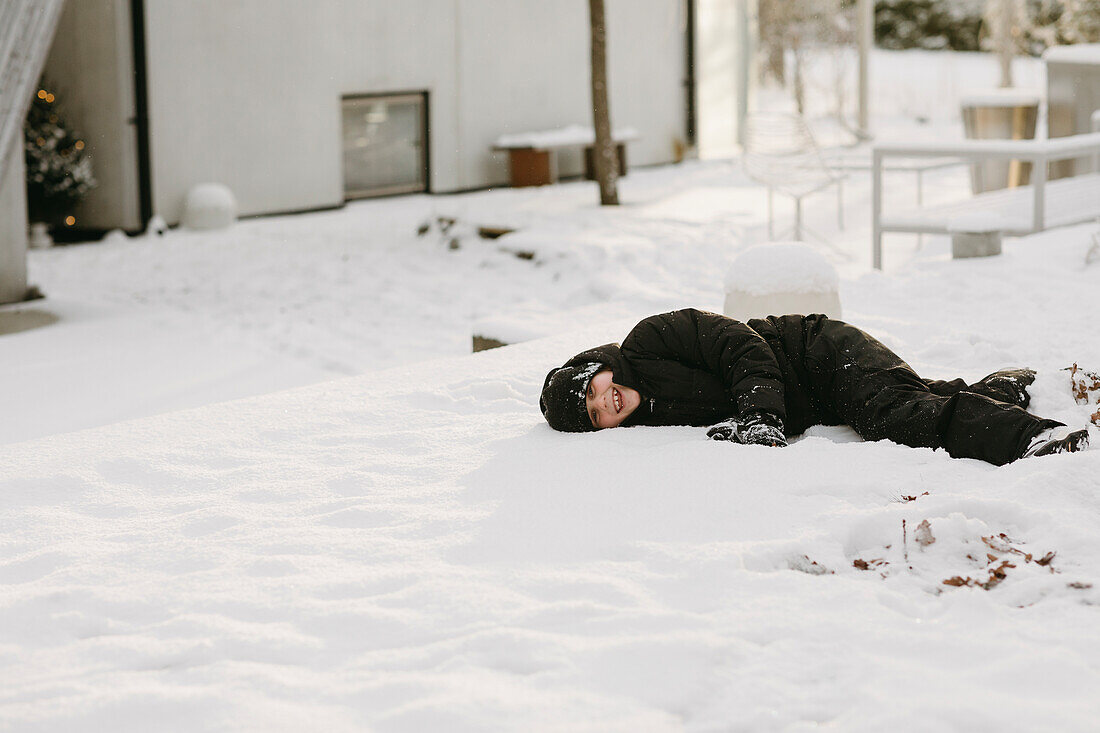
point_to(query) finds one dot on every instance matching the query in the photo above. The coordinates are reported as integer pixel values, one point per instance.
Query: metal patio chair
(780, 153)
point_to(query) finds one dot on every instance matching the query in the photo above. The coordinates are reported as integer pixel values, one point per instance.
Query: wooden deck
(1015, 211)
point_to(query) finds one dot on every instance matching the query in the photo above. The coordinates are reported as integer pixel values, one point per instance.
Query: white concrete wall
(248, 93)
(1073, 93)
(90, 65)
(13, 229)
(524, 66)
(725, 72)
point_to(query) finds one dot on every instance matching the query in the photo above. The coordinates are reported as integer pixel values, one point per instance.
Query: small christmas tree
(59, 169)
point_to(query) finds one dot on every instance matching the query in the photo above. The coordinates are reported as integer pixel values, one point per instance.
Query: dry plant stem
(905, 544)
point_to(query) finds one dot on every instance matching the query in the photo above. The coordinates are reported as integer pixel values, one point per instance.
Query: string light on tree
(59, 168)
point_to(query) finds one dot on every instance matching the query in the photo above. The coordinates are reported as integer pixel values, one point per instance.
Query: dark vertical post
(426, 110)
(689, 76)
(141, 112)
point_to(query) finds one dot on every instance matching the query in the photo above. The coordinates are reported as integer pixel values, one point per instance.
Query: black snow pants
(854, 379)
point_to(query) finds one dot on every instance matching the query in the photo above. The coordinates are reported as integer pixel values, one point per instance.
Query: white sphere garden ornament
(781, 278)
(209, 206)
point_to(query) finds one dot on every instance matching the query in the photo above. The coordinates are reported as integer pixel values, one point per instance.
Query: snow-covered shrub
(965, 25)
(929, 24)
(1058, 23)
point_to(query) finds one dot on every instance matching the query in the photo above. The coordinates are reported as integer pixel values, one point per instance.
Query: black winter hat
(563, 397)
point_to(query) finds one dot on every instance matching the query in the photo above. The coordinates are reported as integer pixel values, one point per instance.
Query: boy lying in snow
(761, 381)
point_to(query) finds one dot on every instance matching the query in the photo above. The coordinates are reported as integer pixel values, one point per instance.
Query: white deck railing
(1025, 209)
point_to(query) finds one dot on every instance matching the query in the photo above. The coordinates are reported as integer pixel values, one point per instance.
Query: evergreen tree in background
(963, 25)
(59, 169)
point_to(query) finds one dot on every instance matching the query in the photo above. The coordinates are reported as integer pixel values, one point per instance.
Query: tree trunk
(777, 63)
(799, 82)
(1000, 16)
(606, 160)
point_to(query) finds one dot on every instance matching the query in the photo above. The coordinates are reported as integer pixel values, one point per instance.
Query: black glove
(725, 430)
(756, 428)
(762, 428)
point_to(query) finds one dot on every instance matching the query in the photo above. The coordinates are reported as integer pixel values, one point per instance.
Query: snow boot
(1007, 385)
(1058, 440)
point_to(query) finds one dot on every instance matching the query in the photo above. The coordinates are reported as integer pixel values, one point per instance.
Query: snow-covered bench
(1041, 205)
(532, 156)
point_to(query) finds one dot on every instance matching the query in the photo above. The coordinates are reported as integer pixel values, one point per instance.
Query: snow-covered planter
(1000, 114)
(209, 206)
(781, 278)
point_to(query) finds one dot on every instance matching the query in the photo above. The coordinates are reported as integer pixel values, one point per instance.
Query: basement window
(385, 144)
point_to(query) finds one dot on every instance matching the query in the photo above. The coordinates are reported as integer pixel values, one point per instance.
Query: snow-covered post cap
(209, 206)
(977, 234)
(976, 222)
(1007, 97)
(781, 278)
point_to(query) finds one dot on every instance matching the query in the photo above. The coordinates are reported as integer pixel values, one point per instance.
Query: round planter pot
(1000, 114)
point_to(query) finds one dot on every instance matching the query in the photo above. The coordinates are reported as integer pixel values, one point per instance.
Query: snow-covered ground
(401, 544)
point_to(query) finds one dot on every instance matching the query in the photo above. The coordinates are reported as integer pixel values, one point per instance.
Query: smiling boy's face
(609, 403)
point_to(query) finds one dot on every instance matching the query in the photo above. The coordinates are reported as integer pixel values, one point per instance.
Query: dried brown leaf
(958, 581)
(804, 564)
(1078, 585)
(1046, 559)
(861, 564)
(1083, 385)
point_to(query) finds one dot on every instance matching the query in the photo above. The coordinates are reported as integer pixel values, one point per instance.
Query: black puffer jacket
(697, 368)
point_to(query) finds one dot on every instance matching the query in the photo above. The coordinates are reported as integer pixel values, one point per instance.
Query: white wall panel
(240, 94)
(13, 230)
(90, 64)
(247, 92)
(399, 47)
(725, 72)
(647, 67)
(525, 66)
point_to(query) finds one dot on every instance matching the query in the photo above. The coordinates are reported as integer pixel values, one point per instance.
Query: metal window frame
(420, 95)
